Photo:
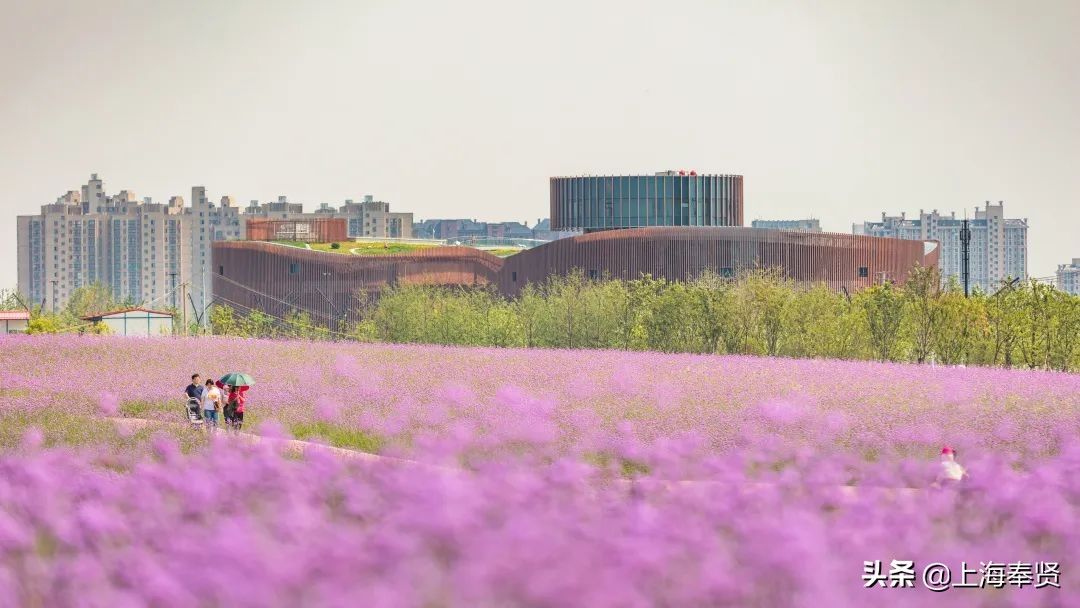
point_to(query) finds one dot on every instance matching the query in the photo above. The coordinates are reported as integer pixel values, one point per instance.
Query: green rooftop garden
(386, 248)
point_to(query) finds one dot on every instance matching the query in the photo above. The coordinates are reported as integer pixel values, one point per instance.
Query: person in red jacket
(234, 406)
(241, 399)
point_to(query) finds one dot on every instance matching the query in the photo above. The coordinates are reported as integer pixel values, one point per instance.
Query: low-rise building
(14, 321)
(135, 322)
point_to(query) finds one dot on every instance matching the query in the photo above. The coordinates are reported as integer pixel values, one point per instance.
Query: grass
(337, 435)
(60, 428)
(503, 252)
(387, 248)
(150, 410)
(352, 248)
(383, 248)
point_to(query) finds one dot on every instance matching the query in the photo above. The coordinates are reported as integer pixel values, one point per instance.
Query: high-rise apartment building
(1068, 277)
(207, 223)
(134, 247)
(145, 251)
(997, 250)
(142, 250)
(796, 225)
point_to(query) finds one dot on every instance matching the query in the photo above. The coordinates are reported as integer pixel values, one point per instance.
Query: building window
(727, 272)
(864, 272)
(221, 270)
(294, 267)
(513, 276)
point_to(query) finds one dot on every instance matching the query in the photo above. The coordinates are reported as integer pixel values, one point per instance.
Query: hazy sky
(836, 110)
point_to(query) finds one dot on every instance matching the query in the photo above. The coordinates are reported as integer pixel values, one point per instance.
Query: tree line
(87, 300)
(760, 312)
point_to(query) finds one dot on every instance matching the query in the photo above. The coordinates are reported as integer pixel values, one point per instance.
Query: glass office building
(670, 198)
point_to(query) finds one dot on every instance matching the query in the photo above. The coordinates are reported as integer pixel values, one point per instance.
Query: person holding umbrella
(236, 385)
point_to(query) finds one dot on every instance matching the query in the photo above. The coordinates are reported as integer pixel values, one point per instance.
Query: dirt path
(296, 445)
(842, 493)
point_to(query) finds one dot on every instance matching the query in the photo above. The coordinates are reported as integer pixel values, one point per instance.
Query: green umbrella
(238, 379)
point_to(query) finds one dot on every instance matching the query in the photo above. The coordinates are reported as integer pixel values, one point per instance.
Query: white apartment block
(145, 251)
(1068, 277)
(998, 248)
(134, 247)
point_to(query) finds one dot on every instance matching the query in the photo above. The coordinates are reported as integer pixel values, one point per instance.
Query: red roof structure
(14, 315)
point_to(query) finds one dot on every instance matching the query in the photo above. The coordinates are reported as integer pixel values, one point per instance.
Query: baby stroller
(193, 412)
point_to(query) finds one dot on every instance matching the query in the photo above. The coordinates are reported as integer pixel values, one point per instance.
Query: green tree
(257, 324)
(1065, 330)
(529, 308)
(712, 295)
(635, 310)
(10, 300)
(90, 299)
(1037, 307)
(766, 292)
(223, 320)
(1005, 313)
(959, 324)
(673, 323)
(823, 323)
(883, 307)
(44, 324)
(923, 291)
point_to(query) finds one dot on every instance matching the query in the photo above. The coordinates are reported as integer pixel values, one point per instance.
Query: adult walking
(211, 404)
(194, 392)
(235, 399)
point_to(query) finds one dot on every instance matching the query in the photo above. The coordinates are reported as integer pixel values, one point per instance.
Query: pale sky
(837, 110)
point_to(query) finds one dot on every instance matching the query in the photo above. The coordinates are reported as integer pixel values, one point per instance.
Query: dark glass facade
(638, 201)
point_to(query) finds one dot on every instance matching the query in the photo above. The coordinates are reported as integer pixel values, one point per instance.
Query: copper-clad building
(313, 230)
(276, 278)
(672, 225)
(838, 260)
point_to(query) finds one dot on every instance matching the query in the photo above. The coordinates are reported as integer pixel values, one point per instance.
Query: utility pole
(183, 315)
(965, 254)
(172, 288)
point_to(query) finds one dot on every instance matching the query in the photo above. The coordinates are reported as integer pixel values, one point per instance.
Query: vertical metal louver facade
(276, 279)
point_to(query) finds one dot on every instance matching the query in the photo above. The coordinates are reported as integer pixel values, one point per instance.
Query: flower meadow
(501, 477)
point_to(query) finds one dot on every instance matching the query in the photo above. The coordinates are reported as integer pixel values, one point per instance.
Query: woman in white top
(211, 404)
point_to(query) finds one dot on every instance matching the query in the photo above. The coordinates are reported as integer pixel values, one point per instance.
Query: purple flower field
(526, 477)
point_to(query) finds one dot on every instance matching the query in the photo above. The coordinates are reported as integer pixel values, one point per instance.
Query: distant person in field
(211, 404)
(194, 392)
(951, 471)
